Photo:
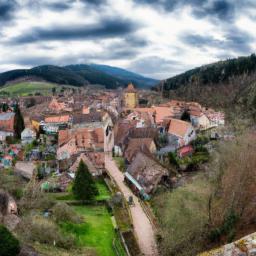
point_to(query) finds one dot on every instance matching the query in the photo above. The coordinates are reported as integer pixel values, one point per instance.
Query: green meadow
(26, 88)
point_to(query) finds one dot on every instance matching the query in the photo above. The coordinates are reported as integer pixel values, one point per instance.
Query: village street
(142, 226)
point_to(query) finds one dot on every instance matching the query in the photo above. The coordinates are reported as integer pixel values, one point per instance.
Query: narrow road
(142, 226)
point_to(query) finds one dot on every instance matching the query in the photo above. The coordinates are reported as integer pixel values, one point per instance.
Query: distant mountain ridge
(126, 75)
(80, 75)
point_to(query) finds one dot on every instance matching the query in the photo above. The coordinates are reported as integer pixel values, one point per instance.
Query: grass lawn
(26, 88)
(97, 230)
(120, 163)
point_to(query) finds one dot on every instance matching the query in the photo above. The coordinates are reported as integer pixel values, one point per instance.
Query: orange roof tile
(57, 119)
(162, 113)
(178, 127)
(143, 110)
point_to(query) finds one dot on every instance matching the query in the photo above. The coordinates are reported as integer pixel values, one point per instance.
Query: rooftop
(6, 116)
(178, 127)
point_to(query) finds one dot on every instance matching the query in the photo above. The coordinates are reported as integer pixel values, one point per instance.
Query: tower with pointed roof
(130, 97)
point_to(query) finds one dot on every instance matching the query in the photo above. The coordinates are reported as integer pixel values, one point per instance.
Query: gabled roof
(121, 131)
(178, 127)
(145, 132)
(86, 138)
(87, 118)
(136, 145)
(146, 171)
(163, 113)
(57, 119)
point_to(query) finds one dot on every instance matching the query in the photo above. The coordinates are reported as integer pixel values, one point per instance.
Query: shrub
(45, 231)
(64, 213)
(227, 228)
(9, 245)
(200, 141)
(120, 163)
(33, 198)
(173, 159)
(17, 193)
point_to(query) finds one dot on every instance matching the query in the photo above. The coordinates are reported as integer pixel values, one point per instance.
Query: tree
(9, 245)
(18, 123)
(5, 107)
(84, 187)
(185, 116)
(53, 91)
(232, 205)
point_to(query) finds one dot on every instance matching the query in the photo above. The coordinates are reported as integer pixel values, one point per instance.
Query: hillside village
(134, 148)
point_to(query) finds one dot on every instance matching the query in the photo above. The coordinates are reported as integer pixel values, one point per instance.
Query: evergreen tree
(185, 116)
(54, 91)
(84, 187)
(18, 123)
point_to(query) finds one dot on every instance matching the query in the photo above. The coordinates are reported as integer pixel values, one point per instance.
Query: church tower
(130, 97)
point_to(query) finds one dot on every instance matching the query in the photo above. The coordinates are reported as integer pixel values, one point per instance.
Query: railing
(149, 214)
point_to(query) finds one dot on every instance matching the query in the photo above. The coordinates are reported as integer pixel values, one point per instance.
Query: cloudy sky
(157, 38)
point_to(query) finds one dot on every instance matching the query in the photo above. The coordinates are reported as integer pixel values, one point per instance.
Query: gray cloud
(107, 28)
(94, 2)
(132, 39)
(235, 40)
(220, 9)
(157, 67)
(7, 10)
(217, 9)
(59, 6)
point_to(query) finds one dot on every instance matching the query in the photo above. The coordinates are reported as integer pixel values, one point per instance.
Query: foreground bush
(183, 219)
(44, 231)
(9, 245)
(64, 213)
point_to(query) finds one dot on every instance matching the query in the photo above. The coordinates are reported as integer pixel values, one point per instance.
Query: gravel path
(142, 226)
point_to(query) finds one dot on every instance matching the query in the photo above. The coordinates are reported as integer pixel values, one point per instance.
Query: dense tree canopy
(213, 73)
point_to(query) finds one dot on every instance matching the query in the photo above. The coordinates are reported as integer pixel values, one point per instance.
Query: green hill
(78, 75)
(94, 76)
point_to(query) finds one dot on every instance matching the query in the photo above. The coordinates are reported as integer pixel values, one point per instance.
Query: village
(129, 140)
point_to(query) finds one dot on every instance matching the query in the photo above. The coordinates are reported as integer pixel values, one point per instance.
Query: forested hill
(77, 75)
(125, 75)
(215, 73)
(217, 84)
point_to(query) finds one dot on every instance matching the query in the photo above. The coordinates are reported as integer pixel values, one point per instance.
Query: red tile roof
(57, 119)
(178, 127)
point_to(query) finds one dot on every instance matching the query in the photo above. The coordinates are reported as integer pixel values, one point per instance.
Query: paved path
(142, 226)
